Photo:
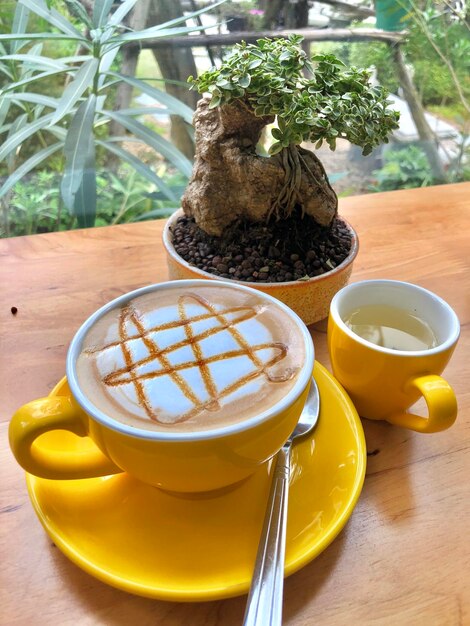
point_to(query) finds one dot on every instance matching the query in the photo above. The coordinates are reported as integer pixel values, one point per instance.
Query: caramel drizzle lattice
(128, 373)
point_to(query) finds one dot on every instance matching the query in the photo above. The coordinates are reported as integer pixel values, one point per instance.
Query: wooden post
(309, 34)
(417, 112)
(176, 65)
(130, 57)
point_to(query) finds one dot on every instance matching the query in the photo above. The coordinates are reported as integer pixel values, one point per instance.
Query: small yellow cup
(175, 461)
(382, 382)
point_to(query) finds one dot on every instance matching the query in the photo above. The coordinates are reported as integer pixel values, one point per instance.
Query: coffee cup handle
(45, 415)
(441, 402)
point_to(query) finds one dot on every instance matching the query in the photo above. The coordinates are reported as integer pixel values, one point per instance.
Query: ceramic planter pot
(310, 299)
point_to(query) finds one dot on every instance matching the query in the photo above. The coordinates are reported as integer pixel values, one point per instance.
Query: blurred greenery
(59, 72)
(437, 51)
(404, 168)
(123, 196)
(431, 76)
(34, 203)
(147, 66)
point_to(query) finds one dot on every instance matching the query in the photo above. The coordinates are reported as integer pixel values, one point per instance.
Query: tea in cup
(389, 341)
(187, 385)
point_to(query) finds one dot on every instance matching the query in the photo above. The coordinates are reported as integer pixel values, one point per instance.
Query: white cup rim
(214, 433)
(452, 335)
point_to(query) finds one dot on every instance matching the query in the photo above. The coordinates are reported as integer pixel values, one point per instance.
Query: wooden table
(403, 558)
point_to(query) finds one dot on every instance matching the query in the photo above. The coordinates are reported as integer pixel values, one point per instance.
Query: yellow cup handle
(44, 415)
(441, 401)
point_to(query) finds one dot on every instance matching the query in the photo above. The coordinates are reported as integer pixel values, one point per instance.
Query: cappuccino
(185, 360)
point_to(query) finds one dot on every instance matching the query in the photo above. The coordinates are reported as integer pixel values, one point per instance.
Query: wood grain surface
(403, 558)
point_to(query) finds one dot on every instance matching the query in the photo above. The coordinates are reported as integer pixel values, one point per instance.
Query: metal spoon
(264, 604)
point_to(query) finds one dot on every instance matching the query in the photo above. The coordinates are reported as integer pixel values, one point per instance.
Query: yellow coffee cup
(193, 461)
(384, 379)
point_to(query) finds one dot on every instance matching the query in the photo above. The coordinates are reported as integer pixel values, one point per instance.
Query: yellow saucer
(155, 544)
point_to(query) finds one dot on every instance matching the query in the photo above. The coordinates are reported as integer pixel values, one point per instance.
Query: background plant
(35, 205)
(404, 168)
(445, 34)
(75, 124)
(431, 75)
(437, 51)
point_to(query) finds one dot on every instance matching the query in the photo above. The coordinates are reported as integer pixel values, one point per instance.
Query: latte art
(186, 360)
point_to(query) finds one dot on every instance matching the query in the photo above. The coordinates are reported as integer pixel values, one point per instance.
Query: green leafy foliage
(378, 55)
(404, 168)
(74, 121)
(449, 35)
(36, 206)
(316, 99)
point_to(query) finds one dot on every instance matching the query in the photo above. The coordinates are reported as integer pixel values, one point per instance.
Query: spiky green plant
(69, 124)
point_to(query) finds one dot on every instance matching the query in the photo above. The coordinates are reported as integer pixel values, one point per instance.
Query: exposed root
(286, 200)
(289, 196)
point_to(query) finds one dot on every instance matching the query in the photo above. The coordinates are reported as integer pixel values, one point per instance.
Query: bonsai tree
(313, 100)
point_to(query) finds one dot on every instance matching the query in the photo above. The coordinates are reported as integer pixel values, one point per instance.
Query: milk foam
(190, 360)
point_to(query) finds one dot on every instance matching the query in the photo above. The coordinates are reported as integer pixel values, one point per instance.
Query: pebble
(285, 254)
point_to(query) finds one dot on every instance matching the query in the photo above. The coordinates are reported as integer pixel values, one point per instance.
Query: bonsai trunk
(230, 181)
